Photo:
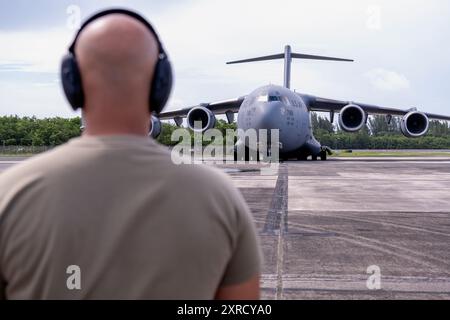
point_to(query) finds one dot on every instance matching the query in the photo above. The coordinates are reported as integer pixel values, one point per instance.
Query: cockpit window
(263, 98)
(274, 98)
(269, 98)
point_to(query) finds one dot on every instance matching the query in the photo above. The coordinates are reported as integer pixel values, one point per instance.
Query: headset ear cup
(161, 85)
(71, 81)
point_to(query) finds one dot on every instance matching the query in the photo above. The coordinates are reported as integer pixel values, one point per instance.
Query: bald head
(116, 55)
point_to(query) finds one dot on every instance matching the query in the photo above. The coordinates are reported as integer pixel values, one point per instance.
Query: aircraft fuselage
(276, 107)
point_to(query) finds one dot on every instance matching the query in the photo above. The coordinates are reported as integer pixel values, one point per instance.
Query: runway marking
(337, 282)
(276, 221)
(278, 206)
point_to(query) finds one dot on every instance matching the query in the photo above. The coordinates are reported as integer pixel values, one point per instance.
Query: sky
(401, 49)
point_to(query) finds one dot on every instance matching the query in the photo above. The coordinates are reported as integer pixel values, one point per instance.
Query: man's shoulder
(203, 176)
(208, 185)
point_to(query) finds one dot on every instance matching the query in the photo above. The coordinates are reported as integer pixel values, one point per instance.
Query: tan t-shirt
(135, 224)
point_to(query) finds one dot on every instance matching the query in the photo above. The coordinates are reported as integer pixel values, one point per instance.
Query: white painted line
(358, 283)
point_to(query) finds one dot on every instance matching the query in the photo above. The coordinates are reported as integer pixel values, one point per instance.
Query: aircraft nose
(268, 116)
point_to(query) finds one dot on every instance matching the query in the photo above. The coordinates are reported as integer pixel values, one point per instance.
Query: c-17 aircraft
(278, 107)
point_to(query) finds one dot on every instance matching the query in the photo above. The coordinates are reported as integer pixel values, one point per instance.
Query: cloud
(35, 98)
(201, 35)
(34, 51)
(6, 66)
(43, 14)
(386, 80)
(176, 103)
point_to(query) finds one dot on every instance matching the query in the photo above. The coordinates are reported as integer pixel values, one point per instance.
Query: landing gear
(324, 152)
(314, 158)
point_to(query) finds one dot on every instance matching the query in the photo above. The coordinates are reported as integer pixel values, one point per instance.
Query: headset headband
(161, 83)
(118, 11)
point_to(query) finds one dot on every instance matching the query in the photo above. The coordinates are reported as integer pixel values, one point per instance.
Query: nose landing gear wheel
(323, 155)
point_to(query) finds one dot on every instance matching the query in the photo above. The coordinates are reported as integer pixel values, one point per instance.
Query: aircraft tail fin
(287, 56)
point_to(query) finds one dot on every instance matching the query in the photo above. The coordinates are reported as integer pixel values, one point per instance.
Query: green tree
(378, 125)
(320, 123)
(378, 134)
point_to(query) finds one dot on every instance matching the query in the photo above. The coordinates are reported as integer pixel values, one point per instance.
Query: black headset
(161, 84)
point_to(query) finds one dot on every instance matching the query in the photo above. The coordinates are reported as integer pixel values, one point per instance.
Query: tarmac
(352, 228)
(373, 228)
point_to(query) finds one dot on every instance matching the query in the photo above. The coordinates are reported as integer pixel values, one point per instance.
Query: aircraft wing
(219, 107)
(329, 105)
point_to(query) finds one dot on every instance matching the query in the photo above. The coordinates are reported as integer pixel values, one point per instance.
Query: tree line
(30, 131)
(377, 134)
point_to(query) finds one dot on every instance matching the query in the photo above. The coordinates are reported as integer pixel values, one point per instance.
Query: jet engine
(155, 129)
(352, 118)
(200, 119)
(414, 124)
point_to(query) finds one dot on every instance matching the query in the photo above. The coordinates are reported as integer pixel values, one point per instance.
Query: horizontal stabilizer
(293, 55)
(265, 58)
(312, 57)
(287, 56)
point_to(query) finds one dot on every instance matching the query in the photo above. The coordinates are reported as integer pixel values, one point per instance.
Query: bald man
(108, 215)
